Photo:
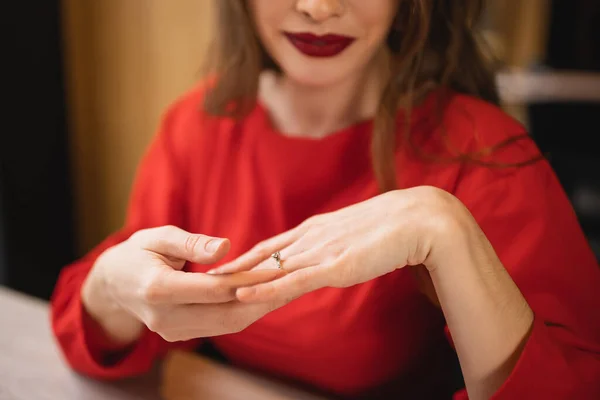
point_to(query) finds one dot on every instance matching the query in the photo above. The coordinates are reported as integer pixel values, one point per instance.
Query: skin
(488, 317)
(140, 281)
(315, 97)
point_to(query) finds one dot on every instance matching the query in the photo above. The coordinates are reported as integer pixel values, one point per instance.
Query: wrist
(117, 325)
(95, 296)
(450, 231)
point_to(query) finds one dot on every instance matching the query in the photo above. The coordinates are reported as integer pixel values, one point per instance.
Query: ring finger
(297, 261)
(291, 258)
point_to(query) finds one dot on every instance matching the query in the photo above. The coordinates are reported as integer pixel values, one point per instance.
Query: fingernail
(213, 245)
(213, 272)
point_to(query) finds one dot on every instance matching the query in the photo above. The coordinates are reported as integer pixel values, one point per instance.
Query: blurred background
(88, 81)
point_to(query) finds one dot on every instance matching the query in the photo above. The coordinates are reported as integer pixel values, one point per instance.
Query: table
(32, 368)
(186, 376)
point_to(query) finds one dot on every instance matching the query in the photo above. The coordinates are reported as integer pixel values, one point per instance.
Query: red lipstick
(319, 46)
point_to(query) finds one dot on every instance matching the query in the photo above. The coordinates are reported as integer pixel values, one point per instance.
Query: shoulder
(494, 147)
(454, 135)
(481, 130)
(187, 113)
(497, 167)
(184, 125)
(514, 193)
(505, 180)
(462, 108)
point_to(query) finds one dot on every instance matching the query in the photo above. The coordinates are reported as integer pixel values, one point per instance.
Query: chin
(316, 77)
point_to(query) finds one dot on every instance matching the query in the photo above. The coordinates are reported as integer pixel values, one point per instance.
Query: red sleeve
(157, 199)
(530, 222)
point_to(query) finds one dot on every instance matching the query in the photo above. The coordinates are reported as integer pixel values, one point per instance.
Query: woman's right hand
(140, 282)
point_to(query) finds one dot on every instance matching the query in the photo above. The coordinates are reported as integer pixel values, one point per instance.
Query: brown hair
(430, 41)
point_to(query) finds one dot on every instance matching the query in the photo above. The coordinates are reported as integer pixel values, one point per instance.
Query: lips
(319, 46)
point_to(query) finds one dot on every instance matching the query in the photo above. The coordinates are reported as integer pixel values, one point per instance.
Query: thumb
(174, 242)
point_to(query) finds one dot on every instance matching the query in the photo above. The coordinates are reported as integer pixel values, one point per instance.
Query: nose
(320, 10)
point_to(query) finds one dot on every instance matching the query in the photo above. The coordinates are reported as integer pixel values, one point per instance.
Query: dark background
(36, 207)
(568, 131)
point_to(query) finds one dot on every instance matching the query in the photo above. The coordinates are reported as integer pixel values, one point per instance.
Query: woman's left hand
(355, 244)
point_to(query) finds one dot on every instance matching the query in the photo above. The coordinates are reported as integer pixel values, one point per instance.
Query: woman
(358, 143)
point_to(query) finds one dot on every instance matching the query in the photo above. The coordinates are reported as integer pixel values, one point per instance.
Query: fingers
(291, 261)
(292, 285)
(221, 318)
(258, 254)
(178, 287)
(192, 321)
(176, 243)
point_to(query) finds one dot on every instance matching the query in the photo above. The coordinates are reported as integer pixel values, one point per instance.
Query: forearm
(486, 313)
(118, 325)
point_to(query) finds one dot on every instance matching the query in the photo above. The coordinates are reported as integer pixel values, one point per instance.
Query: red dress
(247, 182)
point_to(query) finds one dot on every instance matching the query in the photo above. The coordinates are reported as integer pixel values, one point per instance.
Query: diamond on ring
(277, 257)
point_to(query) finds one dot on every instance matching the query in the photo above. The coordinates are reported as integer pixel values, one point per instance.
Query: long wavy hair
(431, 41)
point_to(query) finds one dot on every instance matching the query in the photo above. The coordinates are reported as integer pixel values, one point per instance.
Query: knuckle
(172, 337)
(155, 322)
(159, 237)
(434, 196)
(152, 291)
(315, 232)
(342, 276)
(111, 255)
(303, 278)
(218, 291)
(335, 248)
(310, 222)
(151, 236)
(434, 191)
(191, 243)
(139, 236)
(167, 230)
(262, 250)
